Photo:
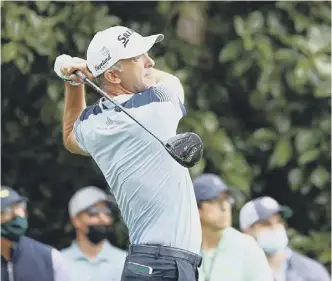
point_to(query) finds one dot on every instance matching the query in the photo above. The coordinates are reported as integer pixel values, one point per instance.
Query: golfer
(154, 193)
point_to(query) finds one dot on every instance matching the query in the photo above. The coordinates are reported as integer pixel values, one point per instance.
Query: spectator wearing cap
(91, 255)
(227, 253)
(23, 258)
(264, 219)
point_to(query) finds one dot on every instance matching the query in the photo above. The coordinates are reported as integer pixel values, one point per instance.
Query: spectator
(91, 256)
(23, 258)
(227, 253)
(262, 218)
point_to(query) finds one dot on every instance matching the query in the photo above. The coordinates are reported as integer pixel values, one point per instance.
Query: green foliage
(257, 82)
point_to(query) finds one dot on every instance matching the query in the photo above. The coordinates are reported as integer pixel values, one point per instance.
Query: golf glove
(64, 60)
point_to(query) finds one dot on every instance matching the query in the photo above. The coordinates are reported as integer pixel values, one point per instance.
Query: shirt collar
(223, 242)
(103, 102)
(225, 235)
(104, 254)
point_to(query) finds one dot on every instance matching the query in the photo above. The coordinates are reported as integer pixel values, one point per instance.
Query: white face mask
(273, 241)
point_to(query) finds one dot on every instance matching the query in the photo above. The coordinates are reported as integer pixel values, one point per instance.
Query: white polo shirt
(237, 258)
(154, 193)
(106, 266)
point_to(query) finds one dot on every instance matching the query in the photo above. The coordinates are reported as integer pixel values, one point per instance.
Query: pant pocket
(136, 271)
(186, 271)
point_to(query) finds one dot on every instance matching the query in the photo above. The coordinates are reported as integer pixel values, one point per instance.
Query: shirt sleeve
(78, 134)
(60, 269)
(173, 87)
(256, 265)
(171, 90)
(321, 273)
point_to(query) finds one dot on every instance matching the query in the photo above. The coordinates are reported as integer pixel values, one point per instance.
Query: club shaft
(104, 94)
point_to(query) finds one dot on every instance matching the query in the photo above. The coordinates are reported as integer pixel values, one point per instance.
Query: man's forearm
(74, 105)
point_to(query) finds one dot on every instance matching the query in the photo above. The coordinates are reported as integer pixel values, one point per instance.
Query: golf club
(186, 148)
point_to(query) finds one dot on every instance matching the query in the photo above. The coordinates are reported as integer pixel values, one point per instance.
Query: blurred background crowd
(257, 80)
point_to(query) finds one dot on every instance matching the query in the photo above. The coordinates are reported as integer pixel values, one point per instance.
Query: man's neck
(6, 247)
(89, 249)
(116, 91)
(210, 238)
(276, 260)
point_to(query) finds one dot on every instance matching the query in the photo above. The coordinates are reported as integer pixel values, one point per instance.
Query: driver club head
(186, 149)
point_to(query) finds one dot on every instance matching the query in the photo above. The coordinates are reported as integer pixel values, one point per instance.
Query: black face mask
(14, 229)
(97, 233)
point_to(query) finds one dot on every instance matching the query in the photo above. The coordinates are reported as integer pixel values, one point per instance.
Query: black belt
(164, 251)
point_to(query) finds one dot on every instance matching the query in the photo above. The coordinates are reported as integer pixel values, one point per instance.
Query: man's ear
(200, 210)
(112, 77)
(75, 221)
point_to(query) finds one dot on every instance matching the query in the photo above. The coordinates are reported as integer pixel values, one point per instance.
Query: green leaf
(42, 5)
(235, 179)
(301, 71)
(286, 55)
(230, 51)
(248, 42)
(241, 67)
(263, 82)
(210, 122)
(295, 177)
(53, 91)
(257, 99)
(255, 22)
(282, 122)
(323, 65)
(281, 154)
(323, 90)
(239, 26)
(274, 25)
(164, 7)
(222, 142)
(304, 140)
(319, 177)
(262, 138)
(319, 38)
(308, 156)
(265, 47)
(263, 134)
(8, 52)
(15, 29)
(22, 64)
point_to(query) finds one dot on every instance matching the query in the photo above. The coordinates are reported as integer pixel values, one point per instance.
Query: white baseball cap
(261, 209)
(109, 46)
(85, 198)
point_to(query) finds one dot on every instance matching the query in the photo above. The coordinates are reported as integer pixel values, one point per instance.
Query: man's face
(216, 213)
(137, 73)
(97, 214)
(272, 223)
(270, 235)
(17, 209)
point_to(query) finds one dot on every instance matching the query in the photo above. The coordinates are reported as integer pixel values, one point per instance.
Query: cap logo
(104, 51)
(4, 193)
(124, 38)
(103, 62)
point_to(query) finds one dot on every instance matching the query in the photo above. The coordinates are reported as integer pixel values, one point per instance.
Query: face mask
(14, 229)
(273, 241)
(97, 233)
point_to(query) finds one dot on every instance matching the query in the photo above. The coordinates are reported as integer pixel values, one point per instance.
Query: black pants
(157, 263)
